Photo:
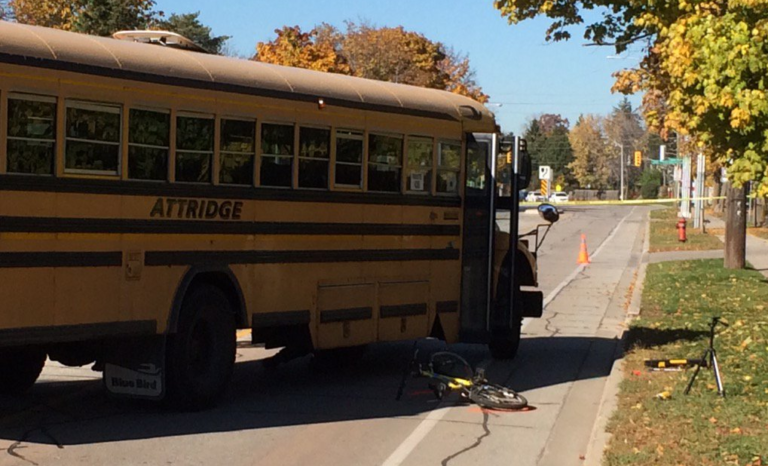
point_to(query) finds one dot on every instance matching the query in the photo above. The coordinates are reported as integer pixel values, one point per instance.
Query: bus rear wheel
(19, 369)
(200, 356)
(506, 346)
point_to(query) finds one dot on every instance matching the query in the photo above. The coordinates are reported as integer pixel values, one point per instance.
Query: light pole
(621, 188)
(621, 170)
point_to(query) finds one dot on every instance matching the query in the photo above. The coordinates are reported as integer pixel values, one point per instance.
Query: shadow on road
(300, 393)
(645, 337)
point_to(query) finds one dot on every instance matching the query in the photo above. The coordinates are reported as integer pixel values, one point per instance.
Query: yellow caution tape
(626, 202)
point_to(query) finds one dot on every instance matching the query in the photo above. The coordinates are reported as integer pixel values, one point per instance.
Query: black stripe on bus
(343, 315)
(138, 226)
(26, 183)
(60, 259)
(281, 318)
(447, 307)
(80, 332)
(403, 310)
(180, 81)
(169, 258)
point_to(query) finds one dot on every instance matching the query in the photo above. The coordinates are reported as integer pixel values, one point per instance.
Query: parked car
(535, 196)
(558, 197)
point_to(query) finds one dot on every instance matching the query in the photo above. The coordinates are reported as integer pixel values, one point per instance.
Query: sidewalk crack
(478, 441)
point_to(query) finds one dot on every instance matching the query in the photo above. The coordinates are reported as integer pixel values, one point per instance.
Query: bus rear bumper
(531, 303)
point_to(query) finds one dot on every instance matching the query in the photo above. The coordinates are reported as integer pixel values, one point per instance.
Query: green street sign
(667, 162)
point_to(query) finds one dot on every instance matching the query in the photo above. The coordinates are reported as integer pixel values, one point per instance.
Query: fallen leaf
(713, 420)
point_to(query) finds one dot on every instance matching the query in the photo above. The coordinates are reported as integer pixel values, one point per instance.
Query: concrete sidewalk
(757, 254)
(757, 248)
(593, 307)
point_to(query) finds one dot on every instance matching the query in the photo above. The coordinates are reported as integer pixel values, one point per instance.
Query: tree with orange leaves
(386, 54)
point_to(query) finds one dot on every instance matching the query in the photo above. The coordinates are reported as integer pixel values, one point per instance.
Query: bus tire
(200, 356)
(19, 369)
(505, 347)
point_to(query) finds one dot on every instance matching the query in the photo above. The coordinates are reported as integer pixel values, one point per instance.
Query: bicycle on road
(449, 372)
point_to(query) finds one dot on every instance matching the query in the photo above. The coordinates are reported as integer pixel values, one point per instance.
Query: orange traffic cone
(583, 254)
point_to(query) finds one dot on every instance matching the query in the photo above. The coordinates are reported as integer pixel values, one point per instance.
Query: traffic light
(522, 145)
(638, 158)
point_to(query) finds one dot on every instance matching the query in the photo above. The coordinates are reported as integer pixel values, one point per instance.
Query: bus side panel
(346, 315)
(445, 289)
(403, 310)
(27, 297)
(87, 295)
(151, 297)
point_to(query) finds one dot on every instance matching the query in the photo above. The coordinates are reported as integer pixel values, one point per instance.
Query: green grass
(701, 428)
(664, 234)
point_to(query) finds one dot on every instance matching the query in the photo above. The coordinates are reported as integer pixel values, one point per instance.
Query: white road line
(409, 444)
(425, 426)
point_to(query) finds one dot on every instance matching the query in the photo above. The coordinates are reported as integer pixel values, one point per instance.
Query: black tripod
(709, 359)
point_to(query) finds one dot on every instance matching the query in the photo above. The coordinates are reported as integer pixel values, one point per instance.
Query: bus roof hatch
(164, 38)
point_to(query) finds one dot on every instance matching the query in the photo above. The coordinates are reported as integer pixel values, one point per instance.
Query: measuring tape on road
(628, 202)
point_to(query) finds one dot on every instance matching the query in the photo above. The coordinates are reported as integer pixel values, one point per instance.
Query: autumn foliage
(703, 74)
(386, 54)
(98, 17)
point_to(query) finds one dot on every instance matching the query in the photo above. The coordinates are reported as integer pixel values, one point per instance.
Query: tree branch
(619, 42)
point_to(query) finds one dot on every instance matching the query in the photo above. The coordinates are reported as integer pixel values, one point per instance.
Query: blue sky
(513, 63)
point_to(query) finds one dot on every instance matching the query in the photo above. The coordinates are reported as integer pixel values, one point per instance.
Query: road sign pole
(621, 186)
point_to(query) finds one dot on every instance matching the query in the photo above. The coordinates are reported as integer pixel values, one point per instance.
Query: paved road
(335, 413)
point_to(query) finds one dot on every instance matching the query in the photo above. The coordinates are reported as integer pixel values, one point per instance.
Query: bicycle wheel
(497, 397)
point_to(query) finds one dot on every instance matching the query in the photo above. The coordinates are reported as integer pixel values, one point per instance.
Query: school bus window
(448, 166)
(237, 150)
(314, 155)
(31, 143)
(349, 158)
(149, 134)
(477, 160)
(93, 138)
(194, 148)
(418, 171)
(385, 158)
(276, 155)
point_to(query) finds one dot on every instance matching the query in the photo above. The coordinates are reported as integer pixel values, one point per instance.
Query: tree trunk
(736, 228)
(719, 188)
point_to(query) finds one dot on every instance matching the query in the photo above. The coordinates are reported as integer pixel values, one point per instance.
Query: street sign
(638, 158)
(558, 187)
(667, 162)
(545, 172)
(544, 187)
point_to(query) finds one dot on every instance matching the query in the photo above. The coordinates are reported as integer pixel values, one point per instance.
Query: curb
(609, 401)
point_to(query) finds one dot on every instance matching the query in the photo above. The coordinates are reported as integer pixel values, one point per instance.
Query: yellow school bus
(154, 199)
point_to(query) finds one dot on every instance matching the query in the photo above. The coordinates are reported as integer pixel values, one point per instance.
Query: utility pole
(698, 204)
(736, 228)
(621, 188)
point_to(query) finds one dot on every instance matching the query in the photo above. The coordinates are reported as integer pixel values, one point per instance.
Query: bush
(650, 182)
